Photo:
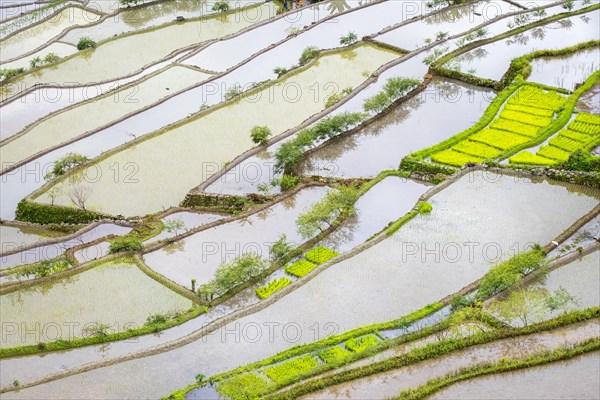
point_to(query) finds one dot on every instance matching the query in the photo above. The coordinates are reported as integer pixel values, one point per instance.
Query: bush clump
(582, 161)
(308, 54)
(425, 208)
(85, 43)
(260, 134)
(221, 6)
(125, 243)
(64, 164)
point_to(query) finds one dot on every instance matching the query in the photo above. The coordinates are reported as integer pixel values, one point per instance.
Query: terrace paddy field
(330, 199)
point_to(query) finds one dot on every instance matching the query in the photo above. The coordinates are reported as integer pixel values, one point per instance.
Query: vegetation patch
(288, 370)
(320, 255)
(300, 268)
(360, 344)
(275, 285)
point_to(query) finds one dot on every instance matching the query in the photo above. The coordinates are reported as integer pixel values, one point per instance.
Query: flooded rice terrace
(299, 199)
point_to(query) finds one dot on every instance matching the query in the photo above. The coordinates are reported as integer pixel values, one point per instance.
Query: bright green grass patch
(515, 127)
(334, 355)
(584, 127)
(477, 149)
(565, 143)
(542, 112)
(526, 118)
(287, 370)
(276, 284)
(526, 157)
(425, 207)
(247, 385)
(454, 158)
(588, 118)
(320, 255)
(554, 153)
(360, 344)
(573, 135)
(501, 139)
(300, 268)
(533, 96)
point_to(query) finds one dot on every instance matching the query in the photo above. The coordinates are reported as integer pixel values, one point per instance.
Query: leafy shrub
(85, 43)
(6, 74)
(308, 54)
(125, 243)
(46, 214)
(320, 255)
(280, 71)
(35, 62)
(221, 6)
(334, 355)
(287, 182)
(360, 344)
(64, 164)
(300, 268)
(510, 273)
(260, 134)
(275, 285)
(348, 39)
(51, 58)
(247, 385)
(281, 250)
(581, 161)
(45, 268)
(233, 91)
(286, 371)
(157, 319)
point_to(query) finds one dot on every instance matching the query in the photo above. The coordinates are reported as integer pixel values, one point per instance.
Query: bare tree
(79, 195)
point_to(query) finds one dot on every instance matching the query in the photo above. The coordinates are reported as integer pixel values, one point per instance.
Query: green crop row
(455, 158)
(565, 143)
(588, 118)
(275, 285)
(529, 109)
(360, 344)
(477, 149)
(534, 96)
(300, 268)
(514, 127)
(501, 139)
(584, 127)
(288, 370)
(526, 118)
(320, 255)
(580, 137)
(528, 158)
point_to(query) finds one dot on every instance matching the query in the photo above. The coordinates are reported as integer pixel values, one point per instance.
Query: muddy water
(21, 112)
(409, 127)
(565, 72)
(473, 210)
(383, 203)
(12, 237)
(49, 251)
(36, 36)
(60, 49)
(198, 256)
(572, 379)
(390, 383)
(585, 236)
(79, 120)
(190, 220)
(138, 18)
(196, 150)
(492, 60)
(133, 53)
(590, 100)
(451, 22)
(119, 295)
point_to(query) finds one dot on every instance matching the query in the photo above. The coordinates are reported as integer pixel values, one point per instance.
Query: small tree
(260, 135)
(85, 43)
(174, 225)
(349, 39)
(561, 301)
(308, 54)
(281, 249)
(323, 213)
(280, 71)
(51, 58)
(193, 285)
(527, 306)
(64, 164)
(96, 330)
(53, 194)
(220, 6)
(79, 195)
(35, 62)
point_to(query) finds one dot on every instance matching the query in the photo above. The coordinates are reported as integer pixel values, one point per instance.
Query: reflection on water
(578, 378)
(555, 35)
(443, 109)
(565, 72)
(590, 100)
